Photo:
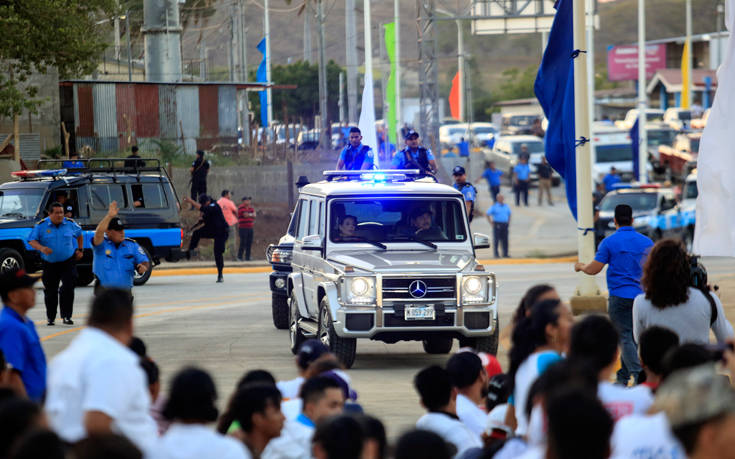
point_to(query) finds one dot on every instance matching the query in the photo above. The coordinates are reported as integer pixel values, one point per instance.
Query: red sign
(622, 61)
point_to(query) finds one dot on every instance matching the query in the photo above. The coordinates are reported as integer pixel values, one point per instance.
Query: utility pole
(351, 59)
(642, 102)
(127, 36)
(232, 47)
(269, 91)
(341, 101)
(242, 41)
(203, 59)
(116, 24)
(688, 45)
(323, 115)
(397, 27)
(307, 32)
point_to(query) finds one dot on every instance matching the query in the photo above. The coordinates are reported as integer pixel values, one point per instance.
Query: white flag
(367, 118)
(714, 233)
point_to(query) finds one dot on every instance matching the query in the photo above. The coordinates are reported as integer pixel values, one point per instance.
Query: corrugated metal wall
(147, 113)
(227, 110)
(125, 96)
(187, 113)
(167, 112)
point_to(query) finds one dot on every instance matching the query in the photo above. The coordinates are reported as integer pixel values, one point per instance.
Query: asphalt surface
(227, 329)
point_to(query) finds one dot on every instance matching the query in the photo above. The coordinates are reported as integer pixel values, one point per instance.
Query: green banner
(390, 91)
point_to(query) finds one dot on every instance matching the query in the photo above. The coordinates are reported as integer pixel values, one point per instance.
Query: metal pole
(323, 115)
(127, 37)
(116, 24)
(341, 101)
(232, 46)
(269, 91)
(718, 27)
(397, 26)
(460, 69)
(367, 23)
(591, 65)
(642, 99)
(203, 59)
(351, 58)
(243, 35)
(307, 33)
(585, 239)
(691, 52)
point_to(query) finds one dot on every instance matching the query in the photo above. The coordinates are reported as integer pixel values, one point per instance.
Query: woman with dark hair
(191, 406)
(670, 301)
(532, 296)
(538, 341)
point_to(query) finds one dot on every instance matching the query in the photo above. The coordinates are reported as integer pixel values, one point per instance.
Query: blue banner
(554, 88)
(260, 76)
(636, 141)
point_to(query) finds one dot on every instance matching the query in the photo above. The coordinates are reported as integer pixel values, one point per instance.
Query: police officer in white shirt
(322, 397)
(469, 377)
(439, 398)
(96, 385)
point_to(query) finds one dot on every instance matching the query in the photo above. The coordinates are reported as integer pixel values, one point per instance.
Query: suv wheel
(438, 344)
(279, 308)
(487, 344)
(140, 279)
(296, 337)
(344, 348)
(84, 276)
(10, 260)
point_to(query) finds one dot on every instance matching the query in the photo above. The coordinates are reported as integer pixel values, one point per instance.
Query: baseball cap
(458, 170)
(13, 280)
(310, 350)
(410, 133)
(116, 224)
(344, 383)
(695, 395)
(490, 363)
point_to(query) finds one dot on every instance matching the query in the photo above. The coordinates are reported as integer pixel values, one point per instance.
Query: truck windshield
(690, 190)
(20, 202)
(658, 137)
(614, 153)
(397, 219)
(533, 147)
(638, 201)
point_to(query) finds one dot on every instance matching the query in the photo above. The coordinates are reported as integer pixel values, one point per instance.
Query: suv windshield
(396, 220)
(20, 202)
(658, 137)
(638, 201)
(614, 153)
(690, 190)
(533, 147)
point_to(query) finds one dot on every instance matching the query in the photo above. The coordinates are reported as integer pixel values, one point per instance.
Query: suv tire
(487, 344)
(344, 348)
(296, 337)
(10, 260)
(140, 279)
(84, 276)
(438, 344)
(279, 307)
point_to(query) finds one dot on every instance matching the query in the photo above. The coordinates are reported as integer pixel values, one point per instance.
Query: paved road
(227, 329)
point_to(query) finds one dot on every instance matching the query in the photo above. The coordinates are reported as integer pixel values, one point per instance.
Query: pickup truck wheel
(296, 337)
(438, 344)
(84, 276)
(344, 348)
(279, 307)
(140, 279)
(10, 260)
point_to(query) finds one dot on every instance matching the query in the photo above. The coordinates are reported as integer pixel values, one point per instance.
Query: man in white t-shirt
(96, 385)
(469, 377)
(439, 398)
(322, 397)
(594, 341)
(310, 350)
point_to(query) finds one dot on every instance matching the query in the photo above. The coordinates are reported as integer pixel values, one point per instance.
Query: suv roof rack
(102, 165)
(378, 175)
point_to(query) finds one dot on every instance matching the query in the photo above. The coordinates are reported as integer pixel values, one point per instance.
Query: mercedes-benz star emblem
(417, 289)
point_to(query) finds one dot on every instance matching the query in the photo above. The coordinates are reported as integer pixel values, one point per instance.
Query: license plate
(420, 312)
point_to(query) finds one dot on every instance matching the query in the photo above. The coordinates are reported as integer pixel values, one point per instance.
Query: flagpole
(267, 30)
(642, 102)
(688, 46)
(587, 292)
(368, 39)
(397, 28)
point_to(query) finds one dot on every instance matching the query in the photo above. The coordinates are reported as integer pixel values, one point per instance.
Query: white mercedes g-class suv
(388, 255)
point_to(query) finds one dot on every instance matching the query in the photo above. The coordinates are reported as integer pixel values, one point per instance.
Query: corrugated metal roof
(227, 110)
(147, 111)
(104, 109)
(187, 110)
(167, 112)
(125, 96)
(208, 117)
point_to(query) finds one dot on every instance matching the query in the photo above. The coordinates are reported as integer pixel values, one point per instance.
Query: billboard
(622, 61)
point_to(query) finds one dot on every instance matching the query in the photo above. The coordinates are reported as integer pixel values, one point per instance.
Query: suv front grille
(437, 288)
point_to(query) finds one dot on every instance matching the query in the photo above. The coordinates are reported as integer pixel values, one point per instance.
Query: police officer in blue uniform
(356, 156)
(116, 258)
(414, 156)
(59, 239)
(468, 191)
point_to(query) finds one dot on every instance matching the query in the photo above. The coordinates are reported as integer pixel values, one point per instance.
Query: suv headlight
(359, 290)
(475, 289)
(282, 256)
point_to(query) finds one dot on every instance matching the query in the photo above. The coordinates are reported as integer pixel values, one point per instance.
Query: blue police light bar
(39, 173)
(377, 175)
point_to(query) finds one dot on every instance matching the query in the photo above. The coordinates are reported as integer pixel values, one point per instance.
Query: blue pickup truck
(145, 195)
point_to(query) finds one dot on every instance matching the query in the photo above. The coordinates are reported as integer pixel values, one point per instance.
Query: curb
(266, 269)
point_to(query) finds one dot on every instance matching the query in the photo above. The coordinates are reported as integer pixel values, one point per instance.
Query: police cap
(116, 224)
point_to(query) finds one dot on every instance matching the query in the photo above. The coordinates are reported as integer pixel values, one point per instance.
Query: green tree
(41, 34)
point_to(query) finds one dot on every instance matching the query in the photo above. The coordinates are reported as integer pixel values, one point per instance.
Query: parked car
(506, 153)
(145, 195)
(518, 124)
(482, 133)
(450, 135)
(653, 115)
(408, 271)
(678, 118)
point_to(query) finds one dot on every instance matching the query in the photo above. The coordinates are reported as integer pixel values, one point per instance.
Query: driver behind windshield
(346, 228)
(422, 224)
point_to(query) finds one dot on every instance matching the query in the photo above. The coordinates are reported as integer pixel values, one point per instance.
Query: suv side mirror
(480, 241)
(312, 242)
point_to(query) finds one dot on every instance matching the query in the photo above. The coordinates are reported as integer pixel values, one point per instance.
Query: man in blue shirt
(492, 176)
(414, 156)
(498, 215)
(18, 338)
(356, 156)
(463, 147)
(624, 251)
(60, 242)
(522, 173)
(463, 186)
(611, 179)
(116, 258)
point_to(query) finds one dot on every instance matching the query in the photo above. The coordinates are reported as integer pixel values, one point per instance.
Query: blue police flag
(636, 141)
(554, 88)
(260, 76)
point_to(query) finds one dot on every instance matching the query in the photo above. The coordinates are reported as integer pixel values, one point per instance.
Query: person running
(212, 225)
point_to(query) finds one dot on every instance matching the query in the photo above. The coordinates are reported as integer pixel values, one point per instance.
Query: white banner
(367, 118)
